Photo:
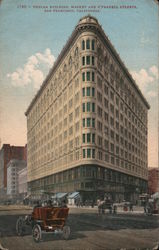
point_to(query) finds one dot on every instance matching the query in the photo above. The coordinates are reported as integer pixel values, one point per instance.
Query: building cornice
(79, 29)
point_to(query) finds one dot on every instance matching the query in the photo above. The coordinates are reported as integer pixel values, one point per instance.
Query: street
(89, 231)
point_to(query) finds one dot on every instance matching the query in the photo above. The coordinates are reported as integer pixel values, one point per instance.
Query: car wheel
(37, 235)
(66, 232)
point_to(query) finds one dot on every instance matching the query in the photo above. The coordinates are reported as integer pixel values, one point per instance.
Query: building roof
(89, 22)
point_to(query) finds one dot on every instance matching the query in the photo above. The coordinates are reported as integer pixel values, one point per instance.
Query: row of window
(88, 122)
(89, 153)
(88, 44)
(88, 91)
(88, 76)
(88, 107)
(88, 138)
(88, 60)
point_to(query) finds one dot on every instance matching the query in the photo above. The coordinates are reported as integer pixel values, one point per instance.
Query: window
(105, 103)
(88, 137)
(117, 150)
(106, 144)
(112, 95)
(77, 112)
(70, 130)
(84, 138)
(88, 122)
(83, 91)
(88, 106)
(88, 44)
(93, 44)
(112, 108)
(83, 45)
(93, 122)
(106, 157)
(83, 122)
(93, 138)
(99, 96)
(93, 107)
(112, 134)
(106, 117)
(99, 140)
(83, 60)
(88, 152)
(84, 153)
(106, 89)
(70, 117)
(92, 76)
(93, 91)
(88, 91)
(99, 111)
(111, 121)
(93, 153)
(112, 160)
(83, 107)
(83, 76)
(88, 76)
(88, 60)
(92, 60)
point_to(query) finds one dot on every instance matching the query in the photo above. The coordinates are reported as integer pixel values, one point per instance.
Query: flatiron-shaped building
(87, 125)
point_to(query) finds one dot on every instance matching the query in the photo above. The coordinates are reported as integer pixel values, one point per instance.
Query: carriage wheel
(20, 227)
(37, 235)
(66, 232)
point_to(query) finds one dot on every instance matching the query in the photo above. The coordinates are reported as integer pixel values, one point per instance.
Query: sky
(33, 33)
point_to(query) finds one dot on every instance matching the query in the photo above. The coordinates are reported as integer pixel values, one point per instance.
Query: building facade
(7, 153)
(153, 180)
(87, 125)
(13, 167)
(22, 181)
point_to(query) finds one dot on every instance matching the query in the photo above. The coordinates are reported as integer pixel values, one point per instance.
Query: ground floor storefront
(92, 182)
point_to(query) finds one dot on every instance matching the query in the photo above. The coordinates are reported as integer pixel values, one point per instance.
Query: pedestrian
(99, 206)
(131, 207)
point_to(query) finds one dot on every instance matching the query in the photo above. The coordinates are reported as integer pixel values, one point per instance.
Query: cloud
(152, 93)
(146, 80)
(154, 71)
(34, 71)
(142, 78)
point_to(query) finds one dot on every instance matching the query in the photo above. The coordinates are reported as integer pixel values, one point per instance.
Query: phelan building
(87, 124)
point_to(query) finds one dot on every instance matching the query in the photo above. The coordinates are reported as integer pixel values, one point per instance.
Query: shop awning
(73, 195)
(155, 195)
(59, 195)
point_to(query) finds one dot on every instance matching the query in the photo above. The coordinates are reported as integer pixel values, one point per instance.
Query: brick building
(153, 180)
(8, 153)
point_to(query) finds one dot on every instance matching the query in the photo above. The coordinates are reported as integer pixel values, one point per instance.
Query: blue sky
(31, 40)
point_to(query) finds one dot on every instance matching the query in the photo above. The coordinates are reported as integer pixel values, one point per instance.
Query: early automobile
(44, 220)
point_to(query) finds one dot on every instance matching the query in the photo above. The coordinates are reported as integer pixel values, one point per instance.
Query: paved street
(89, 231)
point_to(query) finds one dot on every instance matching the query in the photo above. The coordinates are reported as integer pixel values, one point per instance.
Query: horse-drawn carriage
(44, 220)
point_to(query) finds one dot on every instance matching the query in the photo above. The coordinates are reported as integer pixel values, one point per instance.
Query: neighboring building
(13, 167)
(7, 153)
(22, 181)
(153, 180)
(87, 125)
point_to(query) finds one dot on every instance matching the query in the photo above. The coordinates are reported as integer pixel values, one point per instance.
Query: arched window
(70, 61)
(83, 45)
(76, 51)
(65, 68)
(51, 88)
(88, 44)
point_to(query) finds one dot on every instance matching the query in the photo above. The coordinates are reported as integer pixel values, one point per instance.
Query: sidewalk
(14, 207)
(120, 210)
